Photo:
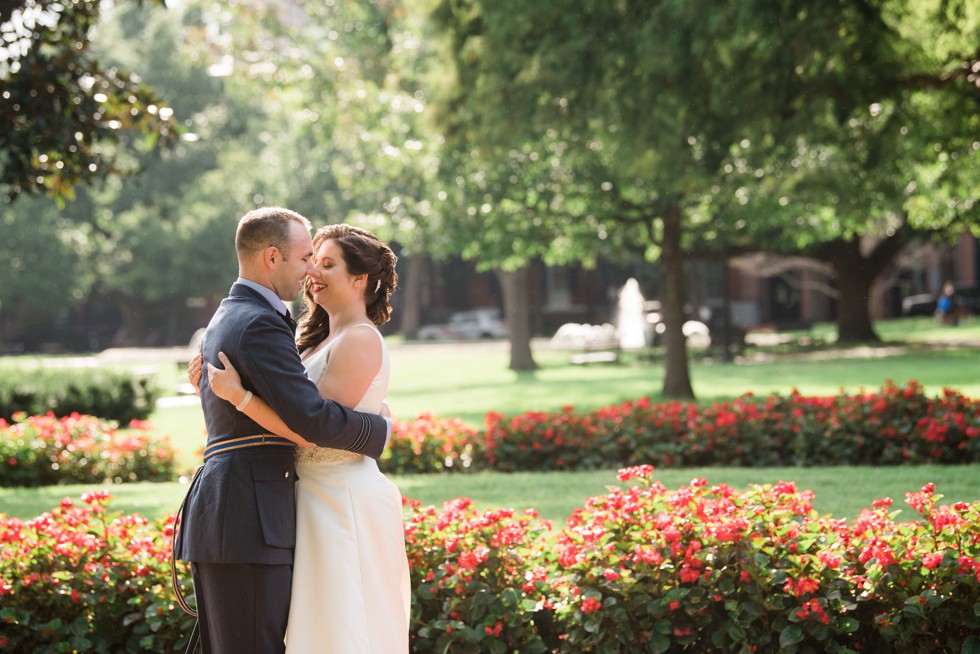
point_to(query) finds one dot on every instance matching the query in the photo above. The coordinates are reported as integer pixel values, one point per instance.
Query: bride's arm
(227, 385)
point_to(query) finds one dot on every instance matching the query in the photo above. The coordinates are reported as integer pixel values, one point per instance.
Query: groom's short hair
(260, 228)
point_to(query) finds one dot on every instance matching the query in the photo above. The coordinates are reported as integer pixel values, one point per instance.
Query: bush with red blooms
(45, 450)
(707, 569)
(643, 568)
(471, 578)
(430, 444)
(891, 426)
(79, 579)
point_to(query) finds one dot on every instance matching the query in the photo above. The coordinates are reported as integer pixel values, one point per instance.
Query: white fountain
(630, 322)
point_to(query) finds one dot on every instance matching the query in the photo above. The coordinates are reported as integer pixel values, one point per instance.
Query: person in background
(946, 309)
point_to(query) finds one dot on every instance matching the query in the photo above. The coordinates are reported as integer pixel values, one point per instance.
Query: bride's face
(331, 284)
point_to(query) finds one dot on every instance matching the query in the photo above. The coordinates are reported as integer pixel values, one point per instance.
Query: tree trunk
(853, 316)
(517, 312)
(677, 379)
(856, 272)
(411, 300)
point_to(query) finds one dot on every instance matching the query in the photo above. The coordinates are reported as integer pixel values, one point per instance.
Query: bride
(351, 589)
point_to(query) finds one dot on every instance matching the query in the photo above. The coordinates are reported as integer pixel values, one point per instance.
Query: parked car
(467, 325)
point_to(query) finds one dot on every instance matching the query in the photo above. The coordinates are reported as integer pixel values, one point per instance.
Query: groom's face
(296, 263)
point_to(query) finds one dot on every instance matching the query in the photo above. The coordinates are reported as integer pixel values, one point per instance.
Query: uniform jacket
(241, 508)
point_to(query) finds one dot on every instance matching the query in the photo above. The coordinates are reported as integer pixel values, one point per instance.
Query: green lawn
(841, 491)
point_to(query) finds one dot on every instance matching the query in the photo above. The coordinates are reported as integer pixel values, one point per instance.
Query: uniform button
(286, 474)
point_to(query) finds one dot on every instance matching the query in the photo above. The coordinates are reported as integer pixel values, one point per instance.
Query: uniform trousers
(242, 608)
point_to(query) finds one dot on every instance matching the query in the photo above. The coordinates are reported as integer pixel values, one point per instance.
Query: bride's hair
(364, 254)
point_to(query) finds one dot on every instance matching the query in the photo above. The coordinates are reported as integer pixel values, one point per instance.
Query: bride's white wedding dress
(351, 589)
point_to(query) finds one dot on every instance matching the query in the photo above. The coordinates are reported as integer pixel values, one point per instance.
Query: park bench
(597, 351)
(588, 343)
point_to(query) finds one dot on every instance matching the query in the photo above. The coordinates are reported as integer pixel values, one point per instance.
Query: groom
(239, 525)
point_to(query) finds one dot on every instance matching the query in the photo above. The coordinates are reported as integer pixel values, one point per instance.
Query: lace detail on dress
(317, 454)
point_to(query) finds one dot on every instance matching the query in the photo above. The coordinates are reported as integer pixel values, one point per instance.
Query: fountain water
(631, 322)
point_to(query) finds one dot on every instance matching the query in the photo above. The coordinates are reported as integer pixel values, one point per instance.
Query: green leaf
(15, 615)
(659, 643)
(791, 635)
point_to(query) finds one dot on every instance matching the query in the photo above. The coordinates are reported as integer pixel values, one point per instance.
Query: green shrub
(44, 450)
(111, 394)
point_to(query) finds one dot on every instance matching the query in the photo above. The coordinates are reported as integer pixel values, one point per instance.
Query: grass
(450, 380)
(840, 491)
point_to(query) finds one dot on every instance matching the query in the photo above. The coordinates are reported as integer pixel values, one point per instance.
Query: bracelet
(245, 400)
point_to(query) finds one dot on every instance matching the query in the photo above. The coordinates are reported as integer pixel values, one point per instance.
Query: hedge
(644, 568)
(890, 426)
(111, 394)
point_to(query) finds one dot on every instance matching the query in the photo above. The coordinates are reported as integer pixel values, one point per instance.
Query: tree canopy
(661, 101)
(63, 114)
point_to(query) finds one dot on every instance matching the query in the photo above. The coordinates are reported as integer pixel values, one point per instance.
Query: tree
(62, 113)
(663, 96)
(505, 210)
(346, 96)
(862, 180)
(39, 247)
(657, 92)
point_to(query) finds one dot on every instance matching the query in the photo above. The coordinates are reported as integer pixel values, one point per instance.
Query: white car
(468, 325)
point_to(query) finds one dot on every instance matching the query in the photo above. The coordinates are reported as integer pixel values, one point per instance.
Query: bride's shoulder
(365, 330)
(361, 335)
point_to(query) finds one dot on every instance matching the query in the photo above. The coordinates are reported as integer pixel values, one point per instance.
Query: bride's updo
(364, 254)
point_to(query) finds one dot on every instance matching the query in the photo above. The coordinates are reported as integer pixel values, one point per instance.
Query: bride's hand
(226, 384)
(194, 372)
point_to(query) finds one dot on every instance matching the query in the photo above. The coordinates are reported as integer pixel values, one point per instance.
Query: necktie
(289, 321)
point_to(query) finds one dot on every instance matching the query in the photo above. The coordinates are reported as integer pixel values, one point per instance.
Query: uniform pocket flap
(264, 470)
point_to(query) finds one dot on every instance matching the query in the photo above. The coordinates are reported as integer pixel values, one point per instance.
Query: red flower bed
(891, 426)
(81, 579)
(44, 450)
(470, 575)
(430, 444)
(644, 568)
(707, 569)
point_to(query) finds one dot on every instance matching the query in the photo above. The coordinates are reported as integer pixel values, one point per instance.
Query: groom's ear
(271, 256)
